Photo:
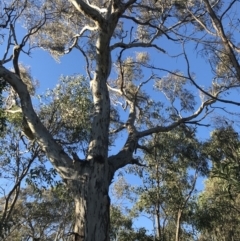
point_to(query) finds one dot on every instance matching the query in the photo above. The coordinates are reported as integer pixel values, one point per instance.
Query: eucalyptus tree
(16, 160)
(217, 211)
(48, 216)
(174, 161)
(223, 152)
(121, 227)
(106, 33)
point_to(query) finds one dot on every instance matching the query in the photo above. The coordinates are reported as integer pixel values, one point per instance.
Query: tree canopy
(151, 67)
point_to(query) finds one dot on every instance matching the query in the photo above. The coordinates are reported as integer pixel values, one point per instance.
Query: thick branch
(88, 10)
(124, 157)
(55, 153)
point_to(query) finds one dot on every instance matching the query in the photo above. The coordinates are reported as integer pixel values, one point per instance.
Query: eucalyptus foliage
(130, 49)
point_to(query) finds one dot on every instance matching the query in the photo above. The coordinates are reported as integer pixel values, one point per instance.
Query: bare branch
(220, 31)
(227, 9)
(214, 97)
(8, 208)
(136, 45)
(117, 130)
(87, 61)
(197, 19)
(8, 13)
(76, 37)
(158, 129)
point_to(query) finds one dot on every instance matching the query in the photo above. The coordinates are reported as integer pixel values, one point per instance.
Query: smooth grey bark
(178, 225)
(158, 225)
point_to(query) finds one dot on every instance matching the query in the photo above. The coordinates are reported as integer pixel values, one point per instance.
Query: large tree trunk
(92, 204)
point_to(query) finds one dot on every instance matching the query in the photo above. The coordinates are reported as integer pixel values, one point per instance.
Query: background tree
(105, 32)
(216, 215)
(121, 227)
(174, 161)
(48, 216)
(16, 159)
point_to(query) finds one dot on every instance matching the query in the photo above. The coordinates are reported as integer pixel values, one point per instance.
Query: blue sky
(47, 71)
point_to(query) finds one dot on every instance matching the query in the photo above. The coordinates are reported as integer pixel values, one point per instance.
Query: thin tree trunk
(177, 237)
(158, 226)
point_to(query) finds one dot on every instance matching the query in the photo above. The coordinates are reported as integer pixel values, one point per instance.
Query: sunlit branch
(100, 10)
(77, 36)
(118, 91)
(14, 111)
(131, 118)
(86, 9)
(234, 46)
